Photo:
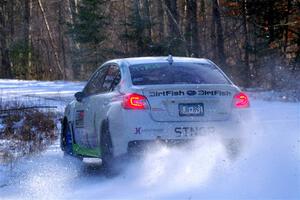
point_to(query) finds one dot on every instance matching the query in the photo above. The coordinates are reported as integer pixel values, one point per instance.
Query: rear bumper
(133, 130)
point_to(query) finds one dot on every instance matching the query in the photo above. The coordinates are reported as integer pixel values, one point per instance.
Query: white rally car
(132, 102)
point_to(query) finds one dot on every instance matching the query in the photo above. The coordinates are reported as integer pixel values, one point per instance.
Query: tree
(89, 30)
(217, 33)
(5, 60)
(176, 42)
(135, 28)
(247, 70)
(139, 31)
(160, 20)
(27, 35)
(191, 29)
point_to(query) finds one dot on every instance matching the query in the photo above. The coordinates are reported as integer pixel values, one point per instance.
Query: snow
(284, 96)
(43, 93)
(268, 167)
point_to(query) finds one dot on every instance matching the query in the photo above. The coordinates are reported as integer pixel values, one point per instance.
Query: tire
(66, 138)
(106, 146)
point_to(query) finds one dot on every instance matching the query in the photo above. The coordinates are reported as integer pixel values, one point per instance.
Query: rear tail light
(241, 100)
(134, 102)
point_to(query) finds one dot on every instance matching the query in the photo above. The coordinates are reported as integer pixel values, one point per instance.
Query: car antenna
(170, 59)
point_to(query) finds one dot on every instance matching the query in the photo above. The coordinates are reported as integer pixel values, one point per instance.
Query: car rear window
(177, 73)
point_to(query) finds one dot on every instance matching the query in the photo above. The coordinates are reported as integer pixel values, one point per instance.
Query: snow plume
(163, 172)
(191, 170)
(179, 168)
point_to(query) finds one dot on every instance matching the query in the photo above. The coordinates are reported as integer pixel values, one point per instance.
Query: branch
(275, 25)
(27, 108)
(177, 26)
(51, 38)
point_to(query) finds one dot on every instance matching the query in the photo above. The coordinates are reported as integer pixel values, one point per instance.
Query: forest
(256, 42)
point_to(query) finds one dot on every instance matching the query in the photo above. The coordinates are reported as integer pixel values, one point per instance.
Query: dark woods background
(257, 42)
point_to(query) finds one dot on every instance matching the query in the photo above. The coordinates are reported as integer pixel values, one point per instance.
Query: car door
(98, 103)
(83, 132)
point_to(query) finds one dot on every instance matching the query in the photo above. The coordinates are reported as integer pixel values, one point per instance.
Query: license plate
(191, 109)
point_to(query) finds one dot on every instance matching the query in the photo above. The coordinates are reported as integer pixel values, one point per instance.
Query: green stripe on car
(83, 151)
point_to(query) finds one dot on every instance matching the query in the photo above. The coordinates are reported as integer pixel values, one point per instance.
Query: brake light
(135, 102)
(241, 100)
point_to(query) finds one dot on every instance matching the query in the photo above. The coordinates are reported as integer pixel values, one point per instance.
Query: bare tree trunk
(286, 39)
(27, 38)
(175, 33)
(73, 9)
(5, 62)
(188, 28)
(125, 26)
(193, 23)
(148, 19)
(139, 39)
(73, 6)
(219, 29)
(204, 29)
(51, 39)
(160, 21)
(11, 20)
(270, 18)
(213, 37)
(174, 29)
(246, 43)
(61, 36)
(11, 17)
(67, 43)
(254, 69)
(70, 12)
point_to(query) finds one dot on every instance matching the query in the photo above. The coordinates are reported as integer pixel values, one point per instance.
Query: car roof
(143, 60)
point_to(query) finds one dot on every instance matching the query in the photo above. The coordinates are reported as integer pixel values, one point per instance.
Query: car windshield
(177, 73)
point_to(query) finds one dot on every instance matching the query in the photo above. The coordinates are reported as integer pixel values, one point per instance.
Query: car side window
(95, 85)
(112, 78)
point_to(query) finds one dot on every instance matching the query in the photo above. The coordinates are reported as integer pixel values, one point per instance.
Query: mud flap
(69, 143)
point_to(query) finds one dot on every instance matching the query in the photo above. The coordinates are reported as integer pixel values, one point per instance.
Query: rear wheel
(106, 146)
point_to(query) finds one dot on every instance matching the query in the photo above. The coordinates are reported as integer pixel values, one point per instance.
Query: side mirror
(79, 96)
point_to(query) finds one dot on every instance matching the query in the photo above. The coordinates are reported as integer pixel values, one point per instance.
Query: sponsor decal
(167, 93)
(213, 93)
(193, 131)
(138, 131)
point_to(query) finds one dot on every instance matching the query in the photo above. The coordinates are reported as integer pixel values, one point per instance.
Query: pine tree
(89, 30)
(139, 32)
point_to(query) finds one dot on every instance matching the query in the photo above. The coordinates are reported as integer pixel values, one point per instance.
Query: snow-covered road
(269, 166)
